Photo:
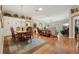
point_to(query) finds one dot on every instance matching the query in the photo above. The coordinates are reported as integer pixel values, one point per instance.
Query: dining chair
(17, 28)
(29, 34)
(13, 35)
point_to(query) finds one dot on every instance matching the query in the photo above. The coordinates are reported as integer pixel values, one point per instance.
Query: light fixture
(40, 9)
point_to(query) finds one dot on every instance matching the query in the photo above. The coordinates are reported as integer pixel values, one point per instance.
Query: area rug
(23, 48)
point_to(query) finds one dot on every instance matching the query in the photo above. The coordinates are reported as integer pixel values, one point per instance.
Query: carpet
(24, 48)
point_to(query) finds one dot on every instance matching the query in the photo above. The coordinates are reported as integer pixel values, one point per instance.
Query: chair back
(13, 34)
(17, 28)
(29, 30)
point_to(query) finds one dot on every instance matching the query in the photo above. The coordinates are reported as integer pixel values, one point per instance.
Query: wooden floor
(6, 46)
(53, 46)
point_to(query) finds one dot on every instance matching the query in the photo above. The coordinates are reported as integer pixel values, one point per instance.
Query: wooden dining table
(21, 35)
(21, 32)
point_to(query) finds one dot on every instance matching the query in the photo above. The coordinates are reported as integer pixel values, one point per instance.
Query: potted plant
(7, 14)
(15, 15)
(23, 16)
(30, 18)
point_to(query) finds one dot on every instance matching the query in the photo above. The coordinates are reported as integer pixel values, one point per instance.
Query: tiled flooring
(52, 46)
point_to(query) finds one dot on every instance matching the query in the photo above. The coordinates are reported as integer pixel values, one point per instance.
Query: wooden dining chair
(17, 28)
(13, 35)
(29, 34)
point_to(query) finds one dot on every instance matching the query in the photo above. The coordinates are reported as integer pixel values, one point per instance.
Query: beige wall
(54, 25)
(1, 40)
(12, 22)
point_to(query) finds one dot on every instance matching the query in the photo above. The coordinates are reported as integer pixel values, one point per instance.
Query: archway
(74, 15)
(73, 31)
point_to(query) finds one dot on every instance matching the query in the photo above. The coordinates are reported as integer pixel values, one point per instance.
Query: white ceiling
(30, 10)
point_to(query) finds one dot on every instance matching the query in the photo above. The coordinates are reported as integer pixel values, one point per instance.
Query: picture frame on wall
(27, 24)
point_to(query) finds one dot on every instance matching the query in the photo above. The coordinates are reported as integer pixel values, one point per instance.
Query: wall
(1, 40)
(0, 24)
(59, 24)
(53, 26)
(12, 22)
(0, 21)
(56, 25)
(55, 21)
(1, 36)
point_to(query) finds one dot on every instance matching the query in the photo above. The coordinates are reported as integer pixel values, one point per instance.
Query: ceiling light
(40, 9)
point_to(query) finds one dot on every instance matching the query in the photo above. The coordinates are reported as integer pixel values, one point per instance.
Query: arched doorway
(74, 27)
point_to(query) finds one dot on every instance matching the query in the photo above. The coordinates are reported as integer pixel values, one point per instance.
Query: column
(71, 28)
(1, 40)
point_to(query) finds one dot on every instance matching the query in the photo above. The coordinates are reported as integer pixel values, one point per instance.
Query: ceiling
(30, 10)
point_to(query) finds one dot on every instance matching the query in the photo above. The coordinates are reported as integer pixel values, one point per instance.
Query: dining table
(21, 32)
(21, 35)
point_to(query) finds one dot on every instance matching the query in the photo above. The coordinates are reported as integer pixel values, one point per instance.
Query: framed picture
(27, 23)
